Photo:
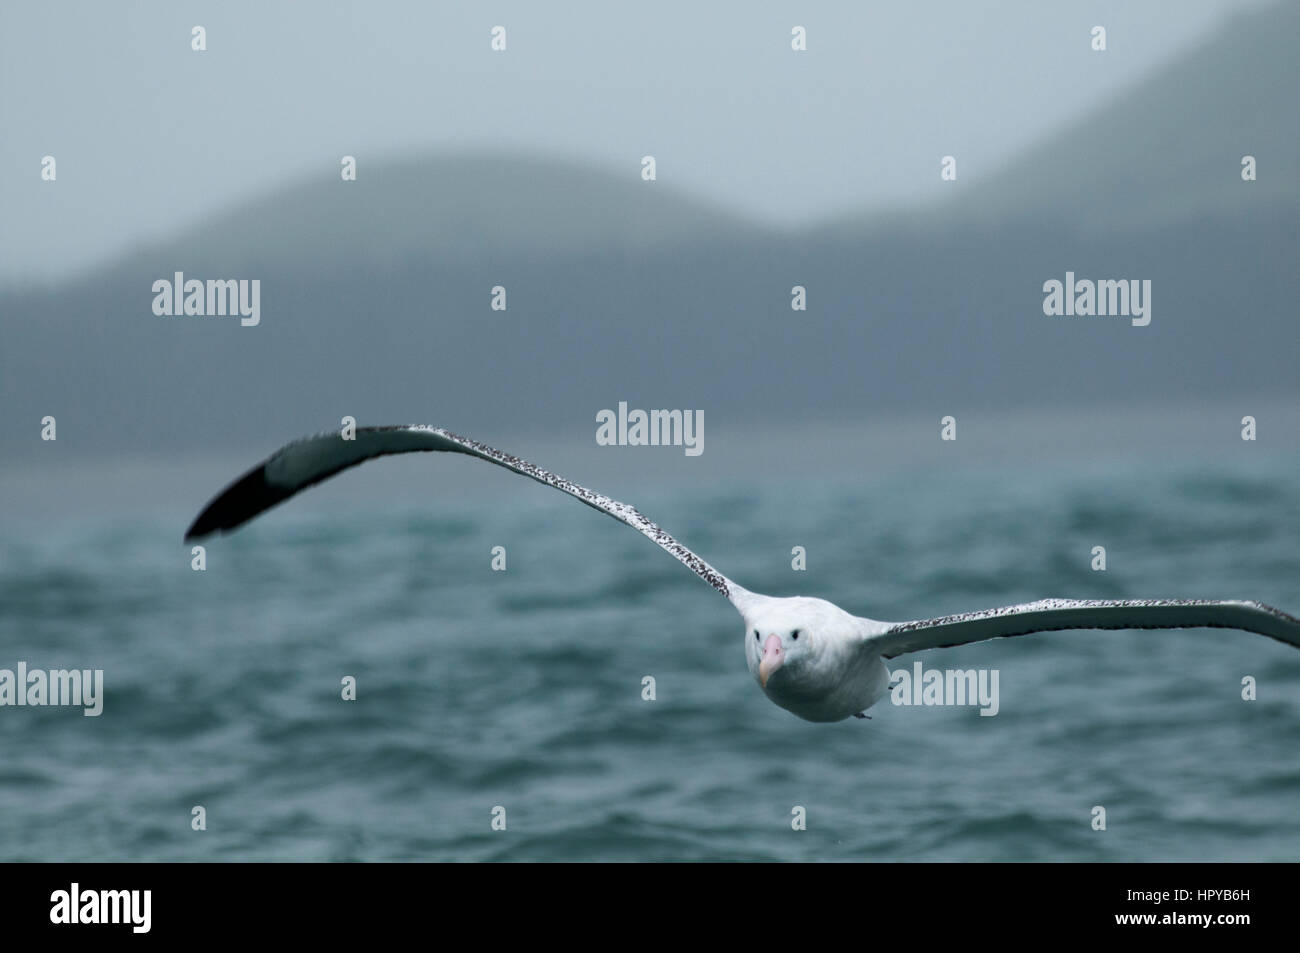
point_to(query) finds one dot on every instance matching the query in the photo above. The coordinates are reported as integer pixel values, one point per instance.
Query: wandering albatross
(809, 656)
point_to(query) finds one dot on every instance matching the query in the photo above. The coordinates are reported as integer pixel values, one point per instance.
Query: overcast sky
(150, 136)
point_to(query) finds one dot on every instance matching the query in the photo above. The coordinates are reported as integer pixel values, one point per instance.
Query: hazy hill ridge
(375, 294)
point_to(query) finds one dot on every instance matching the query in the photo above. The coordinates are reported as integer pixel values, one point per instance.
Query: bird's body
(834, 676)
(809, 656)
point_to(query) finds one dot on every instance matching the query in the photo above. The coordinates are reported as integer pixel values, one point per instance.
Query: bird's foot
(861, 715)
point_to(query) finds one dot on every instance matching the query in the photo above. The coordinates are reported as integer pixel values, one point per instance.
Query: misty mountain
(375, 294)
(450, 209)
(1170, 150)
(1165, 152)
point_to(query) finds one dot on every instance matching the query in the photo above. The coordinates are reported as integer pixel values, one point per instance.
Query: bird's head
(780, 638)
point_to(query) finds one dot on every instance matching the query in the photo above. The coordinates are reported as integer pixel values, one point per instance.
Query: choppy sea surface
(523, 689)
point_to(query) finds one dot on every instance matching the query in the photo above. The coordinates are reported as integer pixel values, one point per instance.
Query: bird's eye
(795, 635)
(756, 635)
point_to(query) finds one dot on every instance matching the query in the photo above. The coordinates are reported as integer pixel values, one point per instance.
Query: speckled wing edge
(1047, 615)
(306, 462)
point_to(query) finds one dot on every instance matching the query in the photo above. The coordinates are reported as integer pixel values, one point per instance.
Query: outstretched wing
(1047, 615)
(304, 462)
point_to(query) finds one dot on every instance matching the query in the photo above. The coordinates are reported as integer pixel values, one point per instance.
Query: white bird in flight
(809, 656)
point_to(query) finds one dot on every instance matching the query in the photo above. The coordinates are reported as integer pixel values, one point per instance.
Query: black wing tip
(238, 503)
(199, 530)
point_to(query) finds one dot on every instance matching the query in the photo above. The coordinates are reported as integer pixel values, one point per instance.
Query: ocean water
(522, 689)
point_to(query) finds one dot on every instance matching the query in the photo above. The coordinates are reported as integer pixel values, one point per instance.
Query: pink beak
(773, 657)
